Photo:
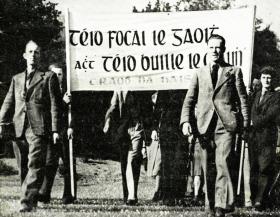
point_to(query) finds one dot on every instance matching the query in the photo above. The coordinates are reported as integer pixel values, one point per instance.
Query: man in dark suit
(218, 91)
(264, 114)
(33, 105)
(125, 111)
(61, 149)
(165, 129)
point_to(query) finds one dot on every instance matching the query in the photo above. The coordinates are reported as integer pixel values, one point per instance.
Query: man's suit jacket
(41, 102)
(228, 99)
(265, 117)
(123, 113)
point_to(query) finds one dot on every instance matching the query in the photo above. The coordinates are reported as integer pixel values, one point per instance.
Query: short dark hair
(268, 70)
(216, 36)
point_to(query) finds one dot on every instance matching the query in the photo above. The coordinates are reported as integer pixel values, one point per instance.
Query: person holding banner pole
(219, 92)
(60, 150)
(128, 133)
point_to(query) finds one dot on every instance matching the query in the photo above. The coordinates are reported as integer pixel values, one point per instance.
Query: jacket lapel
(224, 75)
(21, 81)
(38, 76)
(265, 99)
(206, 72)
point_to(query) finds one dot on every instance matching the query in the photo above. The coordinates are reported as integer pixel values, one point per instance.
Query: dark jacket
(264, 116)
(123, 114)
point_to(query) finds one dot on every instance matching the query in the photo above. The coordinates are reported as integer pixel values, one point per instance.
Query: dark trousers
(173, 166)
(54, 151)
(30, 151)
(262, 171)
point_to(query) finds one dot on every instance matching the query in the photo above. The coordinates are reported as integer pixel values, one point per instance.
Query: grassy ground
(99, 194)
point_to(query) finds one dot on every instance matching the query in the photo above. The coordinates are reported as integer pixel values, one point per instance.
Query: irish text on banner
(153, 51)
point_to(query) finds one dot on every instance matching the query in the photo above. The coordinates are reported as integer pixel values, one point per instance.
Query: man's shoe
(131, 202)
(156, 197)
(180, 202)
(219, 212)
(195, 201)
(44, 198)
(68, 200)
(25, 208)
(258, 206)
(169, 202)
(209, 213)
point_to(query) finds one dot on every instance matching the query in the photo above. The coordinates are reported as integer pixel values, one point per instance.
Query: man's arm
(8, 107)
(188, 105)
(241, 89)
(55, 105)
(110, 111)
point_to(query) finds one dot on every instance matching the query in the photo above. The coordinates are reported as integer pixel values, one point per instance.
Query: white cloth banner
(153, 51)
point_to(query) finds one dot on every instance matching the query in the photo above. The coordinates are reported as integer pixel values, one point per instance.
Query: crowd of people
(186, 136)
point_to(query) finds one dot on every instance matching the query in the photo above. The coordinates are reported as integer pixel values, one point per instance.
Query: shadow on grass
(6, 170)
(116, 205)
(88, 205)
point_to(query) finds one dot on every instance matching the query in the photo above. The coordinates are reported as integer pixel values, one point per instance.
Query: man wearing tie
(33, 105)
(265, 117)
(127, 131)
(219, 93)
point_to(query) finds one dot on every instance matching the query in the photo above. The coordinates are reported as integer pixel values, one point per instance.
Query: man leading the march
(33, 104)
(219, 92)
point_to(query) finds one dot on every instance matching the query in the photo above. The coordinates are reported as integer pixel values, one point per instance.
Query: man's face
(32, 54)
(59, 73)
(215, 50)
(266, 81)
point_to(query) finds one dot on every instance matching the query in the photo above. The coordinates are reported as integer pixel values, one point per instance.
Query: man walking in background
(61, 149)
(33, 105)
(219, 92)
(128, 132)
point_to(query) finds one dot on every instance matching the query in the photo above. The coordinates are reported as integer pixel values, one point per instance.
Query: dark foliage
(22, 20)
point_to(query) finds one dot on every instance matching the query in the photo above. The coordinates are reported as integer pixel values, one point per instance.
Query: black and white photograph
(139, 108)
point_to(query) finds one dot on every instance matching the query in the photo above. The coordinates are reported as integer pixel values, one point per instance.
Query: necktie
(214, 74)
(28, 79)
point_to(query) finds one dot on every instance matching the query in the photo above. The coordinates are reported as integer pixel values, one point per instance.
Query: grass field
(99, 194)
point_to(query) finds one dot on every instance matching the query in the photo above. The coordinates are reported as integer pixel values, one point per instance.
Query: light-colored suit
(225, 99)
(221, 112)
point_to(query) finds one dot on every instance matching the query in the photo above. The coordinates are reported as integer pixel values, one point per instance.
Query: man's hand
(191, 139)
(187, 129)
(144, 152)
(277, 150)
(154, 135)
(70, 132)
(55, 138)
(106, 126)
(67, 98)
(245, 134)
